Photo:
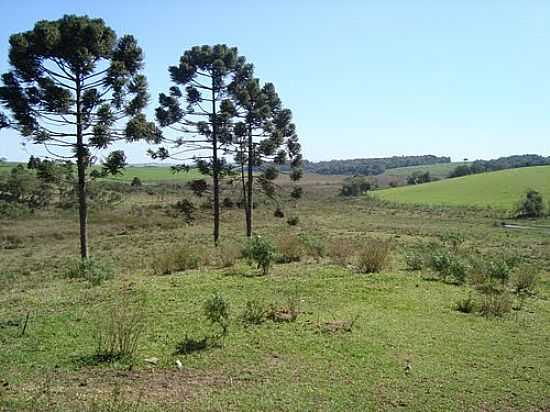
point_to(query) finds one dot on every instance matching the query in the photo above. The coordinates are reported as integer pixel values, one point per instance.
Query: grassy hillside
(500, 189)
(440, 170)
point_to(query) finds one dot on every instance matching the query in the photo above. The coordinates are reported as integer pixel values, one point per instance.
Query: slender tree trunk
(81, 161)
(249, 184)
(215, 168)
(243, 183)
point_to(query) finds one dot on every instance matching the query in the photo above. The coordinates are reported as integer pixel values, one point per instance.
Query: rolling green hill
(440, 170)
(501, 189)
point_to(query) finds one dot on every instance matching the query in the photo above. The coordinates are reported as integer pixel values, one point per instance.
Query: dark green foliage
(71, 83)
(198, 186)
(355, 186)
(260, 250)
(197, 105)
(293, 220)
(216, 310)
(418, 178)
(186, 209)
(370, 167)
(92, 270)
(532, 205)
(136, 182)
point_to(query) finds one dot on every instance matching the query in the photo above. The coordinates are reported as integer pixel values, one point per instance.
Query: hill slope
(500, 189)
(439, 170)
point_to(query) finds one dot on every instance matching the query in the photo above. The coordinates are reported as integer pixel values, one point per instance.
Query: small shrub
(227, 254)
(260, 251)
(119, 333)
(216, 309)
(254, 313)
(373, 256)
(415, 260)
(458, 270)
(286, 313)
(525, 280)
(532, 205)
(446, 265)
(498, 269)
(495, 304)
(453, 240)
(341, 251)
(465, 305)
(293, 221)
(228, 203)
(177, 260)
(290, 249)
(93, 270)
(136, 182)
(313, 245)
(279, 213)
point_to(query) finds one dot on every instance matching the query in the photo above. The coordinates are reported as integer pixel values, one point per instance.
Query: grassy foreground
(500, 190)
(457, 361)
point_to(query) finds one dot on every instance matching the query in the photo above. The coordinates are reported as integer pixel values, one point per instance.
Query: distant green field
(147, 174)
(500, 189)
(440, 170)
(150, 174)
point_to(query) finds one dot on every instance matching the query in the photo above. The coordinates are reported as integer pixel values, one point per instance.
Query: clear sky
(464, 78)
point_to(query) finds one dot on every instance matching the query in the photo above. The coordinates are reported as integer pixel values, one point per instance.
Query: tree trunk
(249, 184)
(215, 168)
(81, 161)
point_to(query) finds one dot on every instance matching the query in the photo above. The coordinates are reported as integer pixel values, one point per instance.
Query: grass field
(457, 361)
(147, 174)
(440, 170)
(500, 190)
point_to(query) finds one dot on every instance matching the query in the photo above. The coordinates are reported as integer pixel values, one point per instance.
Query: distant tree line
(509, 162)
(370, 167)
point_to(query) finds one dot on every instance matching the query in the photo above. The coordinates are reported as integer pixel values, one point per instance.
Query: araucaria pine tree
(265, 139)
(199, 117)
(71, 85)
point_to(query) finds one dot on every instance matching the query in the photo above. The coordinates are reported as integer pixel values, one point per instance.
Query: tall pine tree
(71, 84)
(199, 118)
(265, 139)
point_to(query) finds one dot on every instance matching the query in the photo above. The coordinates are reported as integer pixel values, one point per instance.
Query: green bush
(91, 269)
(216, 309)
(495, 304)
(532, 205)
(465, 305)
(254, 312)
(415, 260)
(373, 255)
(260, 251)
(177, 260)
(293, 221)
(446, 265)
(525, 280)
(119, 330)
(499, 269)
(313, 245)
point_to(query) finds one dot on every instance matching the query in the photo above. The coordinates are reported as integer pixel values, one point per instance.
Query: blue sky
(363, 78)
